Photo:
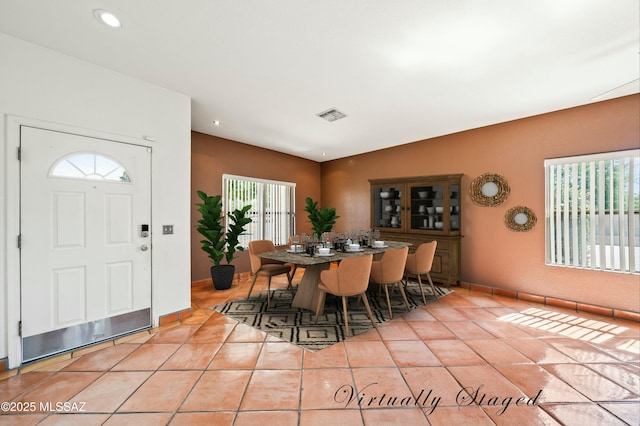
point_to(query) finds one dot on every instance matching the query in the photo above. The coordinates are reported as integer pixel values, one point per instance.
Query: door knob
(144, 247)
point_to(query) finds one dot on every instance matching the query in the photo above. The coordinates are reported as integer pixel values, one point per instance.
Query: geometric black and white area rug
(297, 325)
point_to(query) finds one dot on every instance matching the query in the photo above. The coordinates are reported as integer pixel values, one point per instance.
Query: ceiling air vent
(331, 115)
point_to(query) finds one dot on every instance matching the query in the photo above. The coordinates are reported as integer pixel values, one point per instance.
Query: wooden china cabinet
(422, 209)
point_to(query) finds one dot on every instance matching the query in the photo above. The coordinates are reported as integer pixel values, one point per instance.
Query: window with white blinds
(272, 207)
(593, 211)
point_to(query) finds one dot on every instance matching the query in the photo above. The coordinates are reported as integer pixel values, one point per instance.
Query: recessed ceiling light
(107, 18)
(216, 123)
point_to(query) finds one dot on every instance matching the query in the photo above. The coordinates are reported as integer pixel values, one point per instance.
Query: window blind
(592, 211)
(272, 207)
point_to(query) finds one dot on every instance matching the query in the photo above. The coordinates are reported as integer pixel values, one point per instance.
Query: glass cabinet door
(427, 207)
(454, 207)
(387, 207)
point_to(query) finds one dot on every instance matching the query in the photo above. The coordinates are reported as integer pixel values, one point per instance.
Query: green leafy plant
(238, 221)
(216, 240)
(322, 219)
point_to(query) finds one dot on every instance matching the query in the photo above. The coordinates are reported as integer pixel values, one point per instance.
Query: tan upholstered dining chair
(266, 267)
(350, 278)
(389, 271)
(420, 263)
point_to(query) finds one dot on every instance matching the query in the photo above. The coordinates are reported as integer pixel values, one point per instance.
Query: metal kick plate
(74, 337)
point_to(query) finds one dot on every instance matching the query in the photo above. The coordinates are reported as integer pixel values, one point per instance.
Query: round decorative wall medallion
(520, 219)
(489, 190)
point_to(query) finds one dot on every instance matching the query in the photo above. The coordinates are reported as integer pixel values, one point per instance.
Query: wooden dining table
(307, 294)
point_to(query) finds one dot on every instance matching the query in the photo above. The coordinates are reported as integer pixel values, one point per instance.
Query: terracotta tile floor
(468, 358)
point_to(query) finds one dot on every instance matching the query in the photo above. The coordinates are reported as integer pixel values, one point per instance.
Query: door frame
(13, 184)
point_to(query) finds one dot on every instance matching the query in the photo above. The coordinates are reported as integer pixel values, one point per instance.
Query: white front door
(85, 259)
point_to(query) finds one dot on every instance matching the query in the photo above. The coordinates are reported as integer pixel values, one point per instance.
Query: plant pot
(222, 276)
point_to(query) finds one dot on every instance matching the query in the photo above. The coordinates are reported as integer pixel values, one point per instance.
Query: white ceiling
(402, 71)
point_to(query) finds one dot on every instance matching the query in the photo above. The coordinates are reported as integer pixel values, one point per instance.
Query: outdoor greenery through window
(593, 211)
(90, 166)
(272, 207)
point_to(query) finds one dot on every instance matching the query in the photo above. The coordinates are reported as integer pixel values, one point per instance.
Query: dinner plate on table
(325, 255)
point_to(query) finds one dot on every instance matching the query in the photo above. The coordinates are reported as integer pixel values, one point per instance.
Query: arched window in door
(90, 166)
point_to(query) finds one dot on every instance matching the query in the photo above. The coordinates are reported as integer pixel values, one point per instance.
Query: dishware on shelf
(385, 194)
(388, 208)
(411, 193)
(439, 210)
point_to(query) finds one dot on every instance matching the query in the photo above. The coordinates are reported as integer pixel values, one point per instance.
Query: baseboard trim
(554, 301)
(175, 316)
(236, 279)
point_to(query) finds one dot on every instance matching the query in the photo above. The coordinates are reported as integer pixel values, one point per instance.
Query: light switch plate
(167, 229)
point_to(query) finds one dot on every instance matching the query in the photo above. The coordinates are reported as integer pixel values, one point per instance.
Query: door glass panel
(427, 207)
(88, 165)
(387, 203)
(454, 191)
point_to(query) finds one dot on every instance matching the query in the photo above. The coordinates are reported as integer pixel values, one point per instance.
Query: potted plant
(217, 243)
(322, 219)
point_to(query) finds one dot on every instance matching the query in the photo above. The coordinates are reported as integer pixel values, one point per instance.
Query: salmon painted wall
(493, 255)
(211, 157)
